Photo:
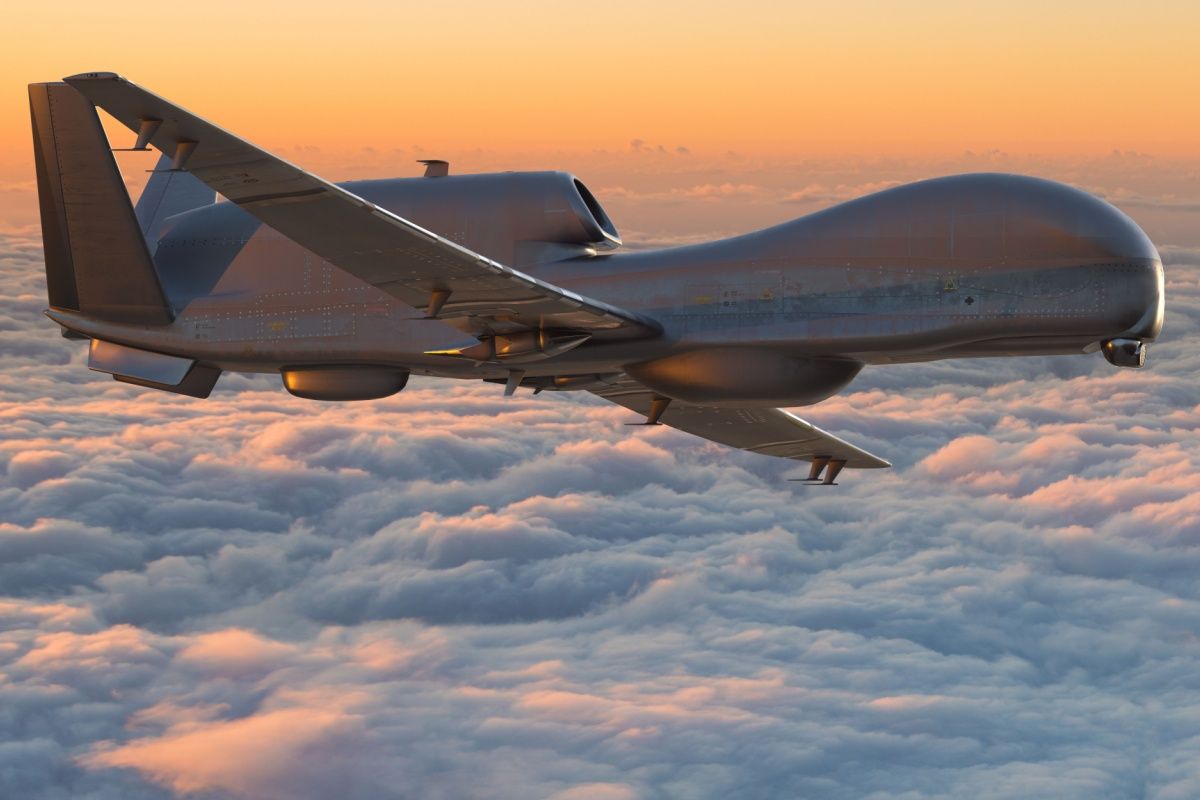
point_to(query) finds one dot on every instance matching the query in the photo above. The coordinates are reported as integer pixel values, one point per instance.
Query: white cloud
(447, 594)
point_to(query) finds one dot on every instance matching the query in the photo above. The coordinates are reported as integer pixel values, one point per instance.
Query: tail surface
(96, 257)
(168, 193)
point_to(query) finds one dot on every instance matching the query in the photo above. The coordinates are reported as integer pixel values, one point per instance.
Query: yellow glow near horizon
(863, 78)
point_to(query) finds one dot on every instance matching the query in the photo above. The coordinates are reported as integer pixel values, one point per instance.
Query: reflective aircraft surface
(346, 290)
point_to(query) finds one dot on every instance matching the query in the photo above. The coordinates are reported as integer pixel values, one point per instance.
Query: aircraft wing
(769, 431)
(420, 268)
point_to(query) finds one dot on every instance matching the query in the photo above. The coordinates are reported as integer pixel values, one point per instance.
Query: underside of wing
(769, 431)
(417, 266)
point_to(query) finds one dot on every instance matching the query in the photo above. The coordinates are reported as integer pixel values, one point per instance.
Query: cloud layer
(447, 594)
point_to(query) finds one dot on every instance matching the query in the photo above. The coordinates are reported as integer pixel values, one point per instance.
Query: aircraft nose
(1048, 220)
(1136, 282)
(1148, 286)
(1129, 266)
(1135, 290)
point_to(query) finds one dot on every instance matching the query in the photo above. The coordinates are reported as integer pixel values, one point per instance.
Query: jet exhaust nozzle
(1125, 352)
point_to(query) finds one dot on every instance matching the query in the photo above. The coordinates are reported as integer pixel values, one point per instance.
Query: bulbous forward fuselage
(970, 265)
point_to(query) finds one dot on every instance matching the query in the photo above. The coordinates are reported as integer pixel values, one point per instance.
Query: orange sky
(548, 84)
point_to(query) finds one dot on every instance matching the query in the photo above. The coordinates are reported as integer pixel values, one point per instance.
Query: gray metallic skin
(962, 266)
(515, 278)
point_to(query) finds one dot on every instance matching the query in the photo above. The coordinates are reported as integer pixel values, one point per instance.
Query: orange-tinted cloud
(234, 653)
(268, 755)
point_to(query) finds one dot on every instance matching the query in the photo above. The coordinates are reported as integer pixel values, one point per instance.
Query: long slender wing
(371, 243)
(770, 431)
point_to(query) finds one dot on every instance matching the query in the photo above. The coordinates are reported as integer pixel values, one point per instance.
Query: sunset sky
(354, 88)
(446, 594)
(778, 78)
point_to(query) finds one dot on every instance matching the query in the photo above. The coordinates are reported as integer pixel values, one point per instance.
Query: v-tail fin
(96, 257)
(169, 192)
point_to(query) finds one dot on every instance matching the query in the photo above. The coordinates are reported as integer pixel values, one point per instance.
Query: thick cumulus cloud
(447, 594)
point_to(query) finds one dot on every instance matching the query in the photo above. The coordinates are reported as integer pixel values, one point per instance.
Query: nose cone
(1049, 220)
(1146, 292)
(1135, 280)
(1055, 223)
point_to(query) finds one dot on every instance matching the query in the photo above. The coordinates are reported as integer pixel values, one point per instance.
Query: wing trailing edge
(768, 431)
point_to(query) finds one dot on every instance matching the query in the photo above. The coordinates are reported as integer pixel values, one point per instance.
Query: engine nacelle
(344, 381)
(516, 218)
(513, 217)
(742, 378)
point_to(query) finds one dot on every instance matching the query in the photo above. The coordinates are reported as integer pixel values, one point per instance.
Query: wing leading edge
(769, 431)
(417, 266)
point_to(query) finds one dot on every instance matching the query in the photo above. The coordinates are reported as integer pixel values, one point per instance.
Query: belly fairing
(743, 377)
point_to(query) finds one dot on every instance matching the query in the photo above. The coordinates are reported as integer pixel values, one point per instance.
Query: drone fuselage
(965, 266)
